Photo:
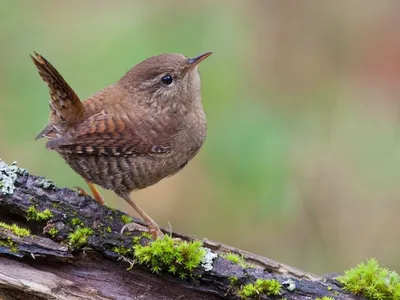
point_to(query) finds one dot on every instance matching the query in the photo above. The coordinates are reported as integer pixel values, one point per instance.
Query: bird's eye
(167, 79)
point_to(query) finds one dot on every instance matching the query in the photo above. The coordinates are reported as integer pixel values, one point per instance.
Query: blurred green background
(302, 159)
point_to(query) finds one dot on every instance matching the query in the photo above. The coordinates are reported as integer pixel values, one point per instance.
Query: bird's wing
(102, 134)
(66, 107)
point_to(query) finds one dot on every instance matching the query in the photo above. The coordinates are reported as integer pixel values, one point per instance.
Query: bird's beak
(193, 62)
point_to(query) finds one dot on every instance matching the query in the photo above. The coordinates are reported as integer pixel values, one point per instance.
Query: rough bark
(44, 266)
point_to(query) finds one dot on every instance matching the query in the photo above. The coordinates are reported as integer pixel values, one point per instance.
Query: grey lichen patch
(45, 183)
(8, 176)
(208, 258)
(290, 285)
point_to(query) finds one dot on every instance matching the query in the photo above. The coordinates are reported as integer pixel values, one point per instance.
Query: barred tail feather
(66, 107)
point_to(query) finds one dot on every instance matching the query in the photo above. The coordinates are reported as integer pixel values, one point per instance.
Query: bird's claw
(80, 191)
(134, 227)
(154, 231)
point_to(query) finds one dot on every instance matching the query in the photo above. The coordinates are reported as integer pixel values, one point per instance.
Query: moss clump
(108, 229)
(235, 258)
(79, 237)
(268, 287)
(33, 214)
(121, 250)
(166, 255)
(371, 281)
(8, 243)
(76, 222)
(53, 232)
(15, 229)
(126, 219)
(233, 280)
(325, 298)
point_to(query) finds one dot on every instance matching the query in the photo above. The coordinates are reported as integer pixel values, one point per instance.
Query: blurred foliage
(302, 157)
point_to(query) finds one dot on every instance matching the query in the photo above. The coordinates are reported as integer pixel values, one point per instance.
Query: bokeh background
(302, 159)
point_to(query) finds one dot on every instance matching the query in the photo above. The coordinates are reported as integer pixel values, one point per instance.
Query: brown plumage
(132, 134)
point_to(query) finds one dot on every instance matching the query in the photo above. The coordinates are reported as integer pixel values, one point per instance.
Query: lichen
(166, 255)
(45, 183)
(19, 231)
(126, 219)
(8, 176)
(268, 287)
(34, 214)
(372, 281)
(79, 237)
(291, 285)
(208, 258)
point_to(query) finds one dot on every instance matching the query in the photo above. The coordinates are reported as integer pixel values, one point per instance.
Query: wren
(132, 134)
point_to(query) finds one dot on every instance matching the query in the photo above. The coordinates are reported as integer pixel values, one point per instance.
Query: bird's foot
(80, 191)
(155, 232)
(153, 229)
(95, 193)
(134, 227)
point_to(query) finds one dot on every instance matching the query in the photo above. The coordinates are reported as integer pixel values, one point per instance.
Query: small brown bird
(133, 133)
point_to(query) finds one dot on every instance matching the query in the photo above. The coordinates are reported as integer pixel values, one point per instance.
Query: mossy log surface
(45, 266)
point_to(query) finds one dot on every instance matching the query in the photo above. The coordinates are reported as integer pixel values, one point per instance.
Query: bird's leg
(96, 195)
(153, 227)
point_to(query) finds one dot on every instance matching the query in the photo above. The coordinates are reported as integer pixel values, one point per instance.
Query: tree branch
(48, 264)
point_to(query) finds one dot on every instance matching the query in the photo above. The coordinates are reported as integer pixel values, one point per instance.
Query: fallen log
(58, 244)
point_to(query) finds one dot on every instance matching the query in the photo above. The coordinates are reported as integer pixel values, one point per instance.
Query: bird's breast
(192, 136)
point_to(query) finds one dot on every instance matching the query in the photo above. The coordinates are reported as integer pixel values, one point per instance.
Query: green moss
(136, 239)
(268, 287)
(325, 298)
(56, 205)
(126, 219)
(122, 250)
(233, 280)
(76, 222)
(372, 281)
(235, 258)
(79, 237)
(165, 255)
(53, 232)
(15, 229)
(108, 229)
(8, 243)
(33, 214)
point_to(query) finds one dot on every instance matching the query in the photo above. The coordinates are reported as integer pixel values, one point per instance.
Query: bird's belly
(125, 174)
